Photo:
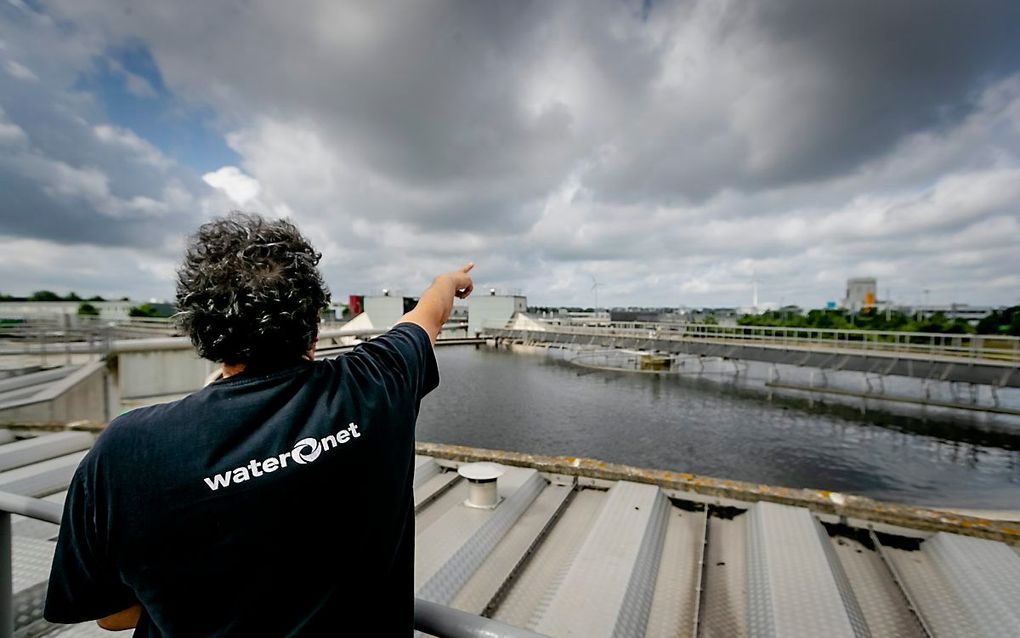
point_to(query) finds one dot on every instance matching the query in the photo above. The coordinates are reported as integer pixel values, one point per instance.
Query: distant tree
(72, 296)
(144, 310)
(87, 310)
(96, 298)
(44, 295)
(1005, 321)
(710, 320)
(162, 310)
(125, 299)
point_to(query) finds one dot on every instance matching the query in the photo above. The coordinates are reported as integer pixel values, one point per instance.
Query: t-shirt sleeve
(84, 583)
(404, 355)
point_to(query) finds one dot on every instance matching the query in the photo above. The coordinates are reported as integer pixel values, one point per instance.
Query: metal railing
(104, 344)
(438, 620)
(881, 342)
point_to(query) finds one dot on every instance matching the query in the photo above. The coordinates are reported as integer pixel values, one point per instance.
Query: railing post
(6, 577)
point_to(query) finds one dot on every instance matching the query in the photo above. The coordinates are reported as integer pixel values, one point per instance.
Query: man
(276, 501)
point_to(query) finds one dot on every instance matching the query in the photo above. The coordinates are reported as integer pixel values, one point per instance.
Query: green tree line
(1001, 322)
(49, 295)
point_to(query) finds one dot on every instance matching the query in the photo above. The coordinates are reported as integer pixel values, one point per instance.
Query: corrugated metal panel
(449, 551)
(529, 597)
(569, 560)
(677, 584)
(985, 578)
(485, 585)
(882, 602)
(608, 588)
(424, 469)
(32, 560)
(724, 600)
(432, 488)
(794, 588)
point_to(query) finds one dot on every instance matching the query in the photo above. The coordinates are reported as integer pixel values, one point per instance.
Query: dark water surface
(529, 403)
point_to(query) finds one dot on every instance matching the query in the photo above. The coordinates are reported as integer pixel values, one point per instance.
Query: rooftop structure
(486, 309)
(386, 310)
(575, 547)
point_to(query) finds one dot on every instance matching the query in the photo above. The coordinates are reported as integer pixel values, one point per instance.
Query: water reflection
(502, 400)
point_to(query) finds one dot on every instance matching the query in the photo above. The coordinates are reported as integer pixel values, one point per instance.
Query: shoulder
(405, 341)
(405, 333)
(402, 357)
(136, 427)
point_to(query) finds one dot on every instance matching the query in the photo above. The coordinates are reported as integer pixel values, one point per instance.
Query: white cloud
(20, 71)
(240, 188)
(10, 133)
(87, 270)
(128, 141)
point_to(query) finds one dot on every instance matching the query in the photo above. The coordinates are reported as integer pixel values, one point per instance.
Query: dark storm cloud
(891, 69)
(670, 149)
(820, 88)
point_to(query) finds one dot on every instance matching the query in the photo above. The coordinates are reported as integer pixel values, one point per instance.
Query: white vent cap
(481, 472)
(483, 492)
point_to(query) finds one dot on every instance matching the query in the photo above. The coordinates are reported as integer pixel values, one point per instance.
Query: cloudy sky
(673, 152)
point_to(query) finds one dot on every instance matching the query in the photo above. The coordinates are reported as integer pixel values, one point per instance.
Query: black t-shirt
(276, 504)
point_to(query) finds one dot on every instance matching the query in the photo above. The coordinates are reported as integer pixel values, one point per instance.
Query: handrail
(968, 346)
(152, 344)
(433, 618)
(447, 622)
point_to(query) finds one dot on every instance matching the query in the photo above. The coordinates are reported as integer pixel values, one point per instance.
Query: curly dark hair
(249, 290)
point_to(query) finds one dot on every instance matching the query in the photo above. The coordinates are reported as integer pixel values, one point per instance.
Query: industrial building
(861, 293)
(488, 310)
(386, 310)
(22, 310)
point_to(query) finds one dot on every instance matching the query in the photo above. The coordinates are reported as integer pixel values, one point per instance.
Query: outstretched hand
(436, 303)
(462, 281)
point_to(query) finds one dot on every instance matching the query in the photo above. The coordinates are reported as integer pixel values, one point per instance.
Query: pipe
(440, 620)
(6, 578)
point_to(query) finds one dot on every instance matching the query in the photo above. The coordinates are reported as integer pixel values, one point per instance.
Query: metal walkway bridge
(981, 359)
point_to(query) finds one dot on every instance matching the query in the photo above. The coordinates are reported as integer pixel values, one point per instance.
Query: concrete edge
(818, 501)
(845, 506)
(60, 386)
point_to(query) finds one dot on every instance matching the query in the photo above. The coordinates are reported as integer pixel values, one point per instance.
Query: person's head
(249, 291)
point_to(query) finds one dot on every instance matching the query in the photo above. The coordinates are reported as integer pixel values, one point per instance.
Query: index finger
(467, 267)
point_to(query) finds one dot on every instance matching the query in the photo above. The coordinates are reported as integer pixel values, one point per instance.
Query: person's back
(274, 502)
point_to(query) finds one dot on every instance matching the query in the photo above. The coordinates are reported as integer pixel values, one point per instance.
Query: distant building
(386, 310)
(861, 293)
(492, 310)
(635, 316)
(966, 312)
(108, 310)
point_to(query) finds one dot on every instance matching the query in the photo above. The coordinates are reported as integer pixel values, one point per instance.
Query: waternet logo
(305, 451)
